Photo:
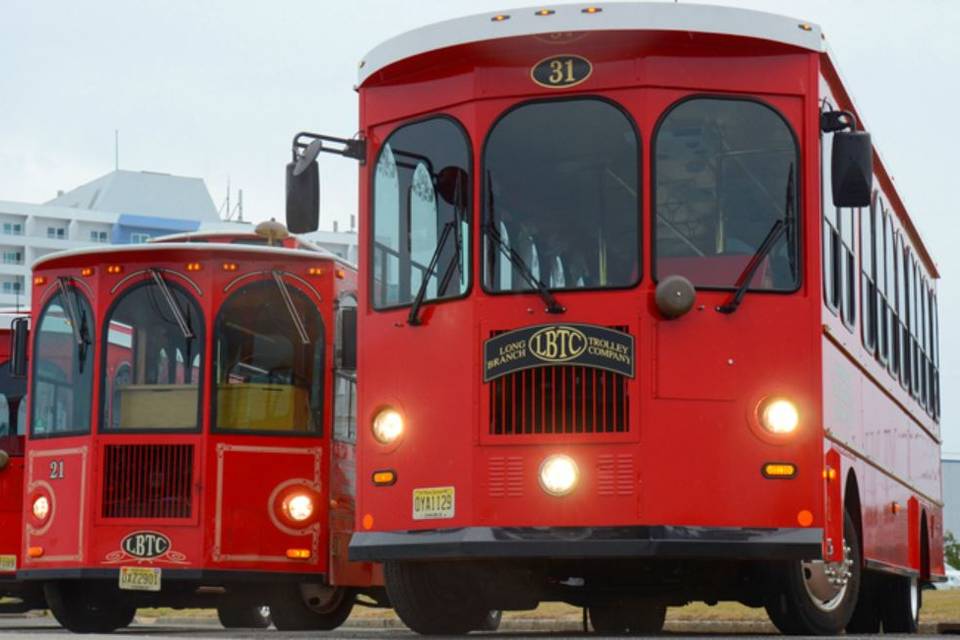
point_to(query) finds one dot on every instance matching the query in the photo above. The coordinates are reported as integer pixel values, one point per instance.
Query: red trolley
(191, 433)
(661, 328)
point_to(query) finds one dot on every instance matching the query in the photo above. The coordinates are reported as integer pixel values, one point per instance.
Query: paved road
(34, 628)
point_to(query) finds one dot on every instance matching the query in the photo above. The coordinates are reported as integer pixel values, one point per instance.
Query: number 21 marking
(56, 470)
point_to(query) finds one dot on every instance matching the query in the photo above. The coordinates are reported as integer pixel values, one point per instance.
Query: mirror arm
(355, 148)
(832, 121)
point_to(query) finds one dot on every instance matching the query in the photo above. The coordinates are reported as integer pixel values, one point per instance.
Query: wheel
(901, 604)
(491, 621)
(312, 607)
(81, 608)
(431, 600)
(866, 615)
(816, 597)
(243, 617)
(628, 617)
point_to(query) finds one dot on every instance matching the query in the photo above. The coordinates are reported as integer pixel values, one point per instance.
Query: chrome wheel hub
(826, 582)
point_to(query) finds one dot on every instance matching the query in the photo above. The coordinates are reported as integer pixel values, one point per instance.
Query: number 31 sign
(560, 72)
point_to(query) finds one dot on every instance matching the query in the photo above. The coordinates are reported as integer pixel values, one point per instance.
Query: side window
(890, 270)
(848, 267)
(831, 229)
(62, 362)
(883, 301)
(868, 276)
(421, 214)
(903, 301)
(935, 375)
(345, 376)
(915, 327)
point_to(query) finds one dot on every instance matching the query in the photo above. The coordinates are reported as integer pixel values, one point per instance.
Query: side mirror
(348, 338)
(852, 169)
(303, 196)
(19, 339)
(453, 185)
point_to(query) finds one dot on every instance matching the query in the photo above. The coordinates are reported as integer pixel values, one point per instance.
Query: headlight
(559, 475)
(387, 426)
(779, 416)
(298, 506)
(41, 508)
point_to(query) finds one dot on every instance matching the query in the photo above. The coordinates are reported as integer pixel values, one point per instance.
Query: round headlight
(387, 426)
(41, 508)
(298, 506)
(780, 416)
(559, 475)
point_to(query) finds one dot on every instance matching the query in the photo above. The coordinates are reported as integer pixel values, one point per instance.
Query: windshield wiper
(517, 260)
(413, 317)
(171, 303)
(78, 326)
(291, 308)
(777, 230)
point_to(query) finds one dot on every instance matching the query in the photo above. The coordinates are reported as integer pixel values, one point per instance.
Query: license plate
(434, 503)
(140, 578)
(8, 563)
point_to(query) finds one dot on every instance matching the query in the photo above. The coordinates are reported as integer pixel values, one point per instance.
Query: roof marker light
(194, 266)
(315, 271)
(39, 280)
(591, 10)
(341, 273)
(229, 266)
(805, 26)
(545, 12)
(114, 269)
(86, 272)
(500, 17)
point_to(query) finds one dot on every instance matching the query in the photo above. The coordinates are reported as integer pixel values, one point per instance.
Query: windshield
(560, 188)
(724, 174)
(152, 364)
(269, 376)
(421, 186)
(62, 371)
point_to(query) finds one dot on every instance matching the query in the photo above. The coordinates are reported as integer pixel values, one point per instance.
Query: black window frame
(14, 443)
(322, 344)
(471, 215)
(102, 373)
(831, 250)
(798, 188)
(35, 363)
(869, 314)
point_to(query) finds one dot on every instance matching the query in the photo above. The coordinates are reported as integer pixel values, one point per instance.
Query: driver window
(268, 377)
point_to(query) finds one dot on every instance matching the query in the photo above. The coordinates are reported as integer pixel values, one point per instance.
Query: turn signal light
(114, 269)
(384, 478)
(298, 554)
(39, 280)
(341, 273)
(86, 272)
(779, 470)
(35, 552)
(194, 266)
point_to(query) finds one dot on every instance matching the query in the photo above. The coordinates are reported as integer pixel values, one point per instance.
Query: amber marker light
(804, 26)
(779, 416)
(194, 266)
(86, 272)
(114, 269)
(779, 470)
(805, 518)
(341, 273)
(39, 280)
(298, 554)
(501, 17)
(384, 478)
(545, 12)
(35, 552)
(315, 271)
(229, 266)
(591, 10)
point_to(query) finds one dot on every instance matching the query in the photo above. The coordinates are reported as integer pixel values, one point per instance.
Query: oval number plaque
(559, 72)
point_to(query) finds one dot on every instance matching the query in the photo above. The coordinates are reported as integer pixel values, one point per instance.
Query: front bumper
(666, 542)
(200, 576)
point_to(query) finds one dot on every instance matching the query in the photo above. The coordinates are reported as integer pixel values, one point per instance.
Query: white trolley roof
(627, 16)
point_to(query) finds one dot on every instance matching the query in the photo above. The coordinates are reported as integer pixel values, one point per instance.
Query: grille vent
(148, 481)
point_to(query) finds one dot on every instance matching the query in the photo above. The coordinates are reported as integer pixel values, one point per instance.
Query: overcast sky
(216, 89)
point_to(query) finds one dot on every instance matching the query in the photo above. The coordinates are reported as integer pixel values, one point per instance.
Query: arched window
(62, 365)
(421, 207)
(269, 360)
(153, 359)
(561, 178)
(725, 178)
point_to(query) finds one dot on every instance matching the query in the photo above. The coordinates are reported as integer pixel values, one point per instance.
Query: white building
(342, 243)
(121, 207)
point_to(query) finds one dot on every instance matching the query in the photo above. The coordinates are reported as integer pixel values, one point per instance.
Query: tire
(491, 622)
(82, 609)
(901, 604)
(808, 602)
(866, 615)
(431, 600)
(243, 617)
(293, 612)
(628, 617)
